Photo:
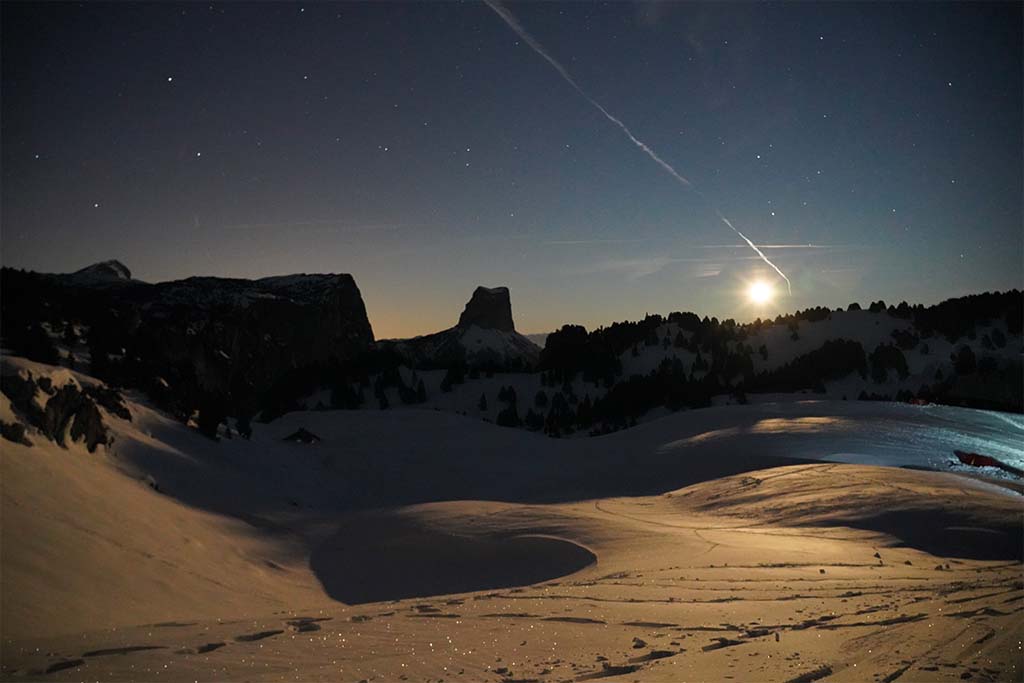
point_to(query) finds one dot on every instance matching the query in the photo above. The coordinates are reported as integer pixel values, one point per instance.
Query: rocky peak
(489, 308)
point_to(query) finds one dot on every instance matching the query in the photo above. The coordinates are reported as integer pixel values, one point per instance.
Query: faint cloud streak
(636, 268)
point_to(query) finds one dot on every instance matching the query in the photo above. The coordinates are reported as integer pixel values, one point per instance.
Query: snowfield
(759, 541)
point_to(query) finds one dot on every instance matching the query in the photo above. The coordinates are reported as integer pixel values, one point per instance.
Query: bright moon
(760, 292)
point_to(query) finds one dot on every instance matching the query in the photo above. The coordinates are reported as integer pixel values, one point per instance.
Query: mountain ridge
(233, 348)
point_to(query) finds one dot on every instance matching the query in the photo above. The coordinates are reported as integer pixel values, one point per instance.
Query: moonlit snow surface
(734, 535)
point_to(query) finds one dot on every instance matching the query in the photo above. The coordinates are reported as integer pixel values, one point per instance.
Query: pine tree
(964, 362)
(509, 417)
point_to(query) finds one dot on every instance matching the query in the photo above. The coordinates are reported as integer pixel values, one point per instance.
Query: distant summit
(489, 308)
(104, 272)
(485, 336)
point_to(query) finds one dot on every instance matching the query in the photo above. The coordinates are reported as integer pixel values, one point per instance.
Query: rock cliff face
(277, 322)
(489, 308)
(186, 340)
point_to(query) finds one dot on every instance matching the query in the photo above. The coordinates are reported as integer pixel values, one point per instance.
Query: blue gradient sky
(426, 149)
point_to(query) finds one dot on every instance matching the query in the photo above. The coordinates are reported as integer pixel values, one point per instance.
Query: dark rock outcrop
(70, 407)
(489, 308)
(14, 431)
(302, 435)
(21, 392)
(69, 412)
(110, 399)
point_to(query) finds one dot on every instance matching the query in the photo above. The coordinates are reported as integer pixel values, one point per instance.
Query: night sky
(427, 149)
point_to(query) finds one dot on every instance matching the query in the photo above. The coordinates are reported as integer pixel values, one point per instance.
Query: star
(96, 205)
(170, 78)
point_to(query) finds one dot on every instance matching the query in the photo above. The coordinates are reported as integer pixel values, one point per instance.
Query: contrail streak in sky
(514, 24)
(789, 285)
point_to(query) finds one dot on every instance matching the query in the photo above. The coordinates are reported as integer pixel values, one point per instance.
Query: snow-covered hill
(101, 274)
(881, 354)
(785, 342)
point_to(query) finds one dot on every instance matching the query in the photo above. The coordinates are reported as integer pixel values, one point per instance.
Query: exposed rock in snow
(53, 402)
(70, 414)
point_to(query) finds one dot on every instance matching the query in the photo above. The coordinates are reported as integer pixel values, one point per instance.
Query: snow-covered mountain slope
(466, 457)
(784, 343)
(90, 542)
(868, 328)
(470, 345)
(100, 274)
(879, 355)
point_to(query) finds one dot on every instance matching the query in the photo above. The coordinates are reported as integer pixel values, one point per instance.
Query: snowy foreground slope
(432, 546)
